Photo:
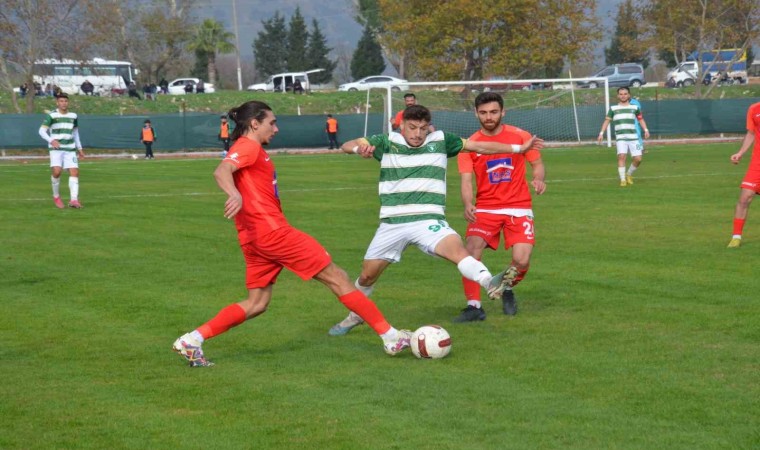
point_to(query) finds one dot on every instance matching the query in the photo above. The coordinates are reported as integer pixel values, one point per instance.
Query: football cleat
(471, 314)
(501, 281)
(75, 204)
(395, 346)
(623, 183)
(343, 327)
(735, 243)
(190, 349)
(629, 180)
(508, 302)
(58, 202)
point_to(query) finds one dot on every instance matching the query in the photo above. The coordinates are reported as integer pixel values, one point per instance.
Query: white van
(283, 82)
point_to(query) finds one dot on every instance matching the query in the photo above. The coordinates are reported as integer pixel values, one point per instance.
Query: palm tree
(211, 39)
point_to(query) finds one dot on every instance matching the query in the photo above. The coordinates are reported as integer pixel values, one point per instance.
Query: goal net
(556, 110)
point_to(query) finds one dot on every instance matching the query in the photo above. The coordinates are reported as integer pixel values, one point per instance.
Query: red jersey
(753, 125)
(501, 177)
(256, 179)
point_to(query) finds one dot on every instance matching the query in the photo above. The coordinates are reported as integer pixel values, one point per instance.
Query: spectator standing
(224, 135)
(148, 137)
(297, 87)
(87, 87)
(23, 89)
(188, 87)
(331, 127)
(132, 91)
(164, 85)
(60, 130)
(751, 184)
(200, 88)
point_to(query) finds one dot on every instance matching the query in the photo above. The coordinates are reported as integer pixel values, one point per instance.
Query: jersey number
(528, 229)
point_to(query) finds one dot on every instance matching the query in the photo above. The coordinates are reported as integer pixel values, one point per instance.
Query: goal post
(557, 110)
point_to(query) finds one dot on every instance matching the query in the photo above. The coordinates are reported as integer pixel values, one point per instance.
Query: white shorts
(63, 158)
(634, 147)
(391, 239)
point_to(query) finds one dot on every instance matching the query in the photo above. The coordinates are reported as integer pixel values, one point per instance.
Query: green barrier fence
(199, 130)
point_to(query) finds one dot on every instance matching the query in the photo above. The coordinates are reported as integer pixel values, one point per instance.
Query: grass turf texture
(637, 328)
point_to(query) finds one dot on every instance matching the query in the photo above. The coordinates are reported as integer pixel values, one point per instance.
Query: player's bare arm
(644, 127)
(749, 139)
(359, 146)
(489, 148)
(604, 128)
(537, 167)
(467, 197)
(225, 181)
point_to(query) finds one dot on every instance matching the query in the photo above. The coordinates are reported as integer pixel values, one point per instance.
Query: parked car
(514, 86)
(628, 75)
(377, 81)
(177, 87)
(283, 82)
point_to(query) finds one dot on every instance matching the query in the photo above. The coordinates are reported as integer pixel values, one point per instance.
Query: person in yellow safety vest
(148, 137)
(224, 135)
(331, 127)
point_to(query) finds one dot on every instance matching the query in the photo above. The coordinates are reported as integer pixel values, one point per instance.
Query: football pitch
(637, 327)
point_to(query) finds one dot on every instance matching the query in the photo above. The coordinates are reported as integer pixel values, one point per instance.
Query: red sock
(739, 226)
(471, 289)
(520, 275)
(230, 316)
(366, 309)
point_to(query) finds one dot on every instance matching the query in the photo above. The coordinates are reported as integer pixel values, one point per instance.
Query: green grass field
(637, 328)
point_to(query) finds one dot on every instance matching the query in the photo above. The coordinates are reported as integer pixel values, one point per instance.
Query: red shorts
(284, 247)
(752, 180)
(517, 230)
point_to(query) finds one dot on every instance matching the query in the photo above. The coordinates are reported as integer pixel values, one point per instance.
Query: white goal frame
(558, 83)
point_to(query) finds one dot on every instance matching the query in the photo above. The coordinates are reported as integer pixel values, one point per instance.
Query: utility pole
(237, 45)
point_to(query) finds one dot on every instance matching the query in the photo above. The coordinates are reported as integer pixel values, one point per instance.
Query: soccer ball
(431, 342)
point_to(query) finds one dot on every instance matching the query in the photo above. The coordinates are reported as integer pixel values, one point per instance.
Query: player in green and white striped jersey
(60, 130)
(412, 191)
(623, 117)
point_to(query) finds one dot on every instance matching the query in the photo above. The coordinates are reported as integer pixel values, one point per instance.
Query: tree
(211, 39)
(297, 41)
(368, 58)
(368, 14)
(316, 55)
(715, 24)
(34, 30)
(468, 39)
(626, 46)
(270, 47)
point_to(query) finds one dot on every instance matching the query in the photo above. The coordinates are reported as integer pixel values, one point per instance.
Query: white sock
(366, 290)
(197, 336)
(56, 186)
(474, 270)
(390, 335)
(351, 320)
(74, 187)
(736, 236)
(475, 303)
(621, 172)
(632, 169)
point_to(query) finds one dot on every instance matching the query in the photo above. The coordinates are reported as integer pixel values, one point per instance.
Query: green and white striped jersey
(624, 118)
(413, 179)
(61, 128)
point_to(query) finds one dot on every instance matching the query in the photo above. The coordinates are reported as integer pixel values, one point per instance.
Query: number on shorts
(528, 229)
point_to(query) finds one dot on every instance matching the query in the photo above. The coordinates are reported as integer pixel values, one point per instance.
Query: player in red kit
(751, 184)
(269, 243)
(503, 203)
